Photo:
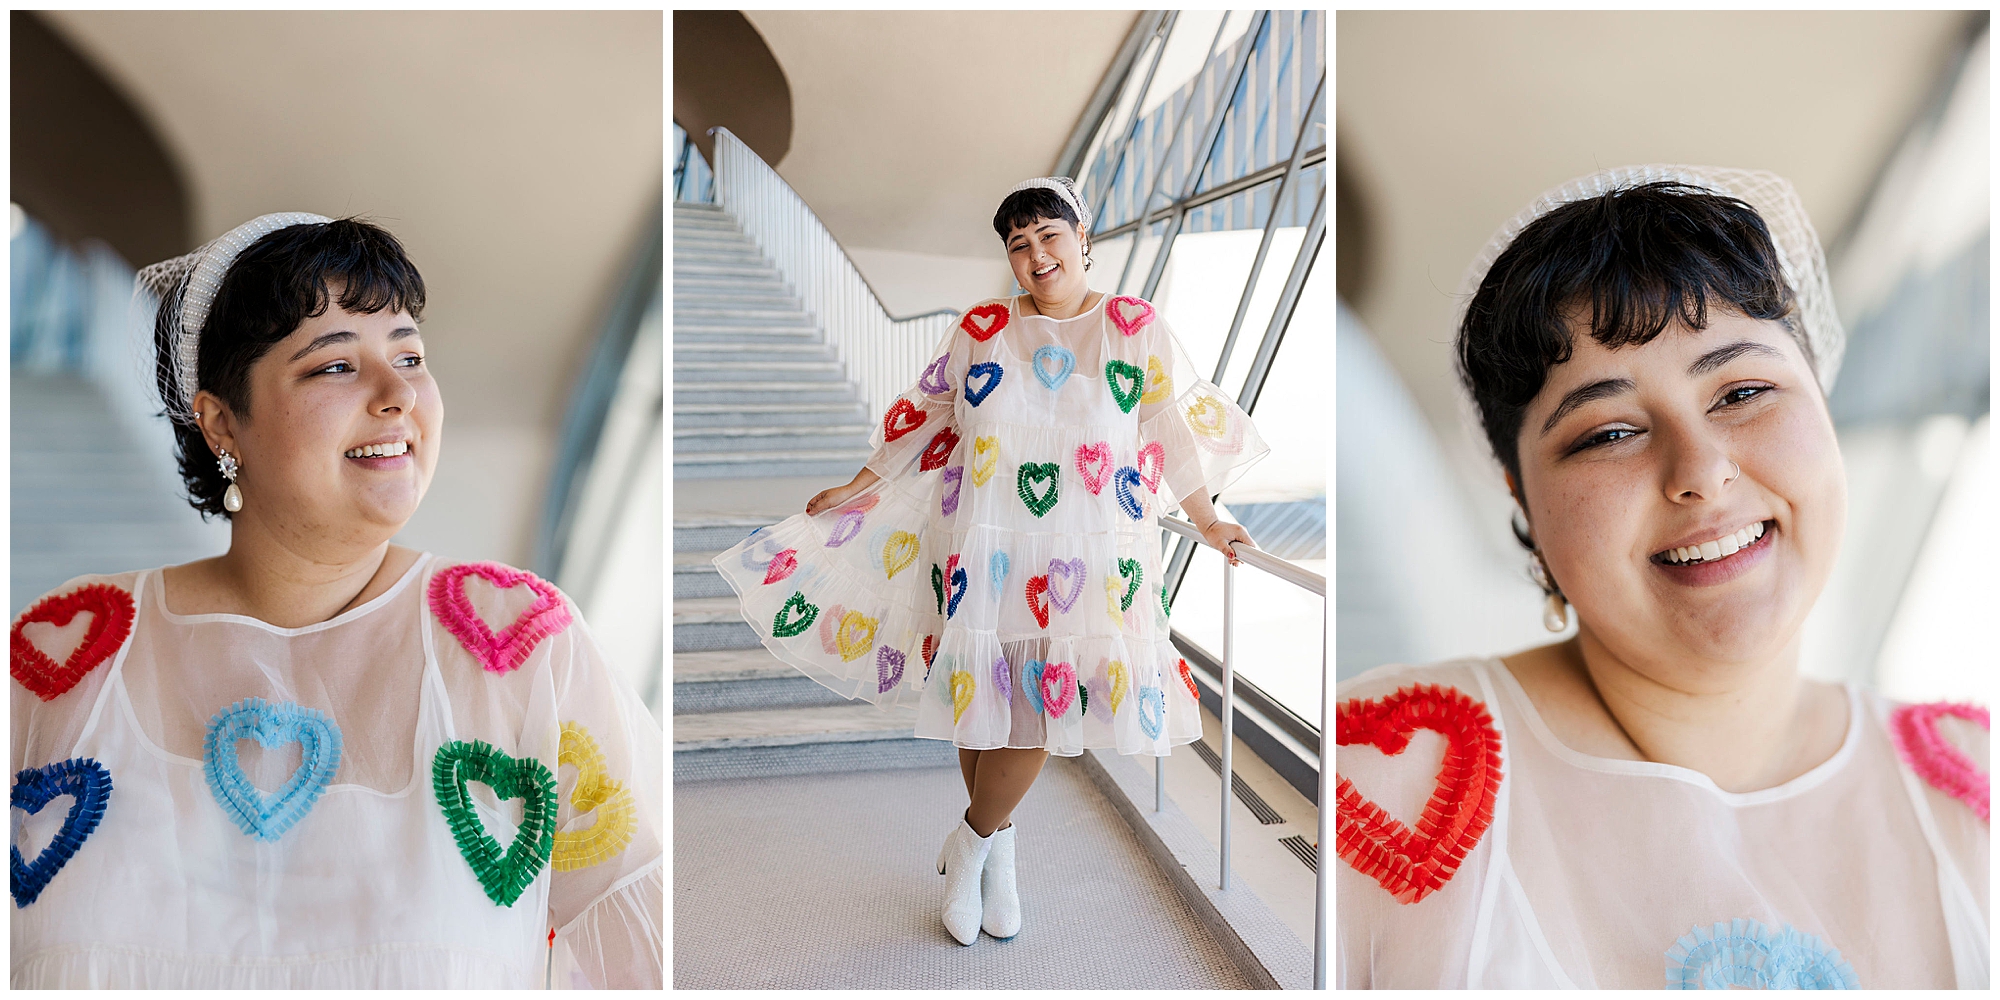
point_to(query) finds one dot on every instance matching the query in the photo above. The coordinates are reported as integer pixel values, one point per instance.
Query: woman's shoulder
(499, 614)
(72, 630)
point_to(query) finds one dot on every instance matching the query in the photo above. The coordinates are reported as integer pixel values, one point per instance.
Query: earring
(1086, 256)
(232, 498)
(1555, 612)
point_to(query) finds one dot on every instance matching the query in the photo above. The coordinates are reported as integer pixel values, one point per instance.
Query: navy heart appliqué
(89, 784)
(958, 581)
(983, 370)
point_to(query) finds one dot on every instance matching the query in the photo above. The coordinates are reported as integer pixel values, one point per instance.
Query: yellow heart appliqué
(1112, 592)
(1116, 671)
(617, 816)
(1158, 383)
(899, 552)
(961, 694)
(985, 458)
(1207, 415)
(856, 635)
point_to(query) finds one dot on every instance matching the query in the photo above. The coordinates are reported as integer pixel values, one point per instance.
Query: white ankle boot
(1001, 904)
(961, 862)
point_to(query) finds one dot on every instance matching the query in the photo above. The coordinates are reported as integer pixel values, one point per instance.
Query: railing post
(1228, 701)
(1159, 784)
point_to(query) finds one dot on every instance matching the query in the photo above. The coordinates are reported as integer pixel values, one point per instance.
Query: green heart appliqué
(1032, 471)
(1128, 398)
(937, 585)
(1133, 574)
(504, 875)
(804, 614)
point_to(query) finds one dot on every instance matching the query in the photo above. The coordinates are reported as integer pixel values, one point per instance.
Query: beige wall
(909, 126)
(513, 153)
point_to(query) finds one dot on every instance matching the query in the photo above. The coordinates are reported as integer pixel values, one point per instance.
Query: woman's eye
(410, 361)
(337, 368)
(1742, 394)
(1609, 435)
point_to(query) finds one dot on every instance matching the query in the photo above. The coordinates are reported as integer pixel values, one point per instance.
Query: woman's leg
(1000, 780)
(968, 766)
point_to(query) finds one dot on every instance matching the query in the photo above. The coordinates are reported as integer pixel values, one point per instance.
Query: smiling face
(1047, 258)
(1677, 562)
(342, 431)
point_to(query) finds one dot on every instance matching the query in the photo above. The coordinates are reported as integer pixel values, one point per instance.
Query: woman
(291, 765)
(1663, 795)
(1005, 557)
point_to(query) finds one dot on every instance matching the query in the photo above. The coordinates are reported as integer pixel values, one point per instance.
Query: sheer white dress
(1601, 873)
(251, 806)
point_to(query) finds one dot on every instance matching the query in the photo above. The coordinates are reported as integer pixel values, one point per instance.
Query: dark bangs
(1029, 206)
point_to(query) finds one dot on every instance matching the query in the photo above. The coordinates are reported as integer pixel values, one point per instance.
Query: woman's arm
(829, 498)
(1214, 530)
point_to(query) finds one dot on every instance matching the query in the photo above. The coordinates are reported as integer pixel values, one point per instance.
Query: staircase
(757, 390)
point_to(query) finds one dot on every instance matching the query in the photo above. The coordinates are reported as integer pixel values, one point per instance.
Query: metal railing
(1313, 583)
(882, 354)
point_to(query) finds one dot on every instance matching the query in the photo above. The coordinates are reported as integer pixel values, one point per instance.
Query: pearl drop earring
(232, 498)
(1555, 611)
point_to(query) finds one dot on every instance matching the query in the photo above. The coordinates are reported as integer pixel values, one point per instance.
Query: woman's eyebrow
(325, 339)
(1600, 389)
(1730, 352)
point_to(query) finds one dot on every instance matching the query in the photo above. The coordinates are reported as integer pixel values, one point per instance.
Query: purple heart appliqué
(1002, 680)
(1072, 571)
(954, 480)
(888, 669)
(933, 381)
(846, 528)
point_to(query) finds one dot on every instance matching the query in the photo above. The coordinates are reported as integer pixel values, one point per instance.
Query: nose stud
(1735, 475)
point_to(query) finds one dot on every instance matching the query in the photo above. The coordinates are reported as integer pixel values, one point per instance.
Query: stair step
(720, 392)
(767, 414)
(821, 740)
(697, 443)
(741, 317)
(693, 334)
(772, 352)
(833, 464)
(714, 534)
(705, 269)
(733, 371)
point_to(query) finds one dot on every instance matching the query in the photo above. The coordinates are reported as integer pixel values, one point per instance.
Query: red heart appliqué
(930, 649)
(1187, 677)
(1038, 587)
(938, 451)
(982, 323)
(507, 649)
(782, 565)
(901, 419)
(1412, 864)
(111, 612)
(1914, 730)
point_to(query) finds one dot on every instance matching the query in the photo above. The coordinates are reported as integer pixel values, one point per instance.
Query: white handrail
(1315, 583)
(883, 355)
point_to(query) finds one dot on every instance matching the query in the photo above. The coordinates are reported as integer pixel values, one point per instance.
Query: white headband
(1063, 188)
(186, 287)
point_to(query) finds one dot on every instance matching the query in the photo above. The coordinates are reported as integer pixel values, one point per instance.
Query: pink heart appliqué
(1914, 729)
(1158, 455)
(507, 649)
(1093, 463)
(1058, 688)
(1128, 314)
(783, 564)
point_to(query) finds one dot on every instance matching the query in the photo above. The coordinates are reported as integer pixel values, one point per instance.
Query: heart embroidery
(1128, 314)
(507, 649)
(1127, 397)
(88, 785)
(956, 585)
(1158, 454)
(1030, 473)
(930, 650)
(1031, 683)
(795, 617)
(1117, 677)
(1214, 430)
(888, 669)
(996, 570)
(983, 322)
(1099, 456)
(1065, 364)
(617, 815)
(110, 612)
(268, 817)
(768, 548)
(938, 451)
(933, 381)
(1412, 864)
(1058, 688)
(782, 565)
(1111, 608)
(989, 370)
(1002, 681)
(1151, 722)
(902, 418)
(504, 875)
(829, 622)
(1159, 384)
(1914, 730)
(1071, 571)
(1134, 575)
(954, 480)
(1038, 588)
(846, 527)
(1743, 953)
(985, 458)
(961, 694)
(899, 553)
(1187, 677)
(937, 585)
(1122, 488)
(856, 635)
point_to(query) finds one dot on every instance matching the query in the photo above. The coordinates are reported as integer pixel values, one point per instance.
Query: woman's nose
(393, 393)
(1699, 465)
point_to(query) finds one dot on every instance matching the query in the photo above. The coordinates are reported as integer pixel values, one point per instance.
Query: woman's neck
(284, 581)
(1758, 728)
(1066, 306)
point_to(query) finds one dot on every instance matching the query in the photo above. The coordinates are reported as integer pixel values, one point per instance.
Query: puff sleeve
(921, 423)
(1208, 440)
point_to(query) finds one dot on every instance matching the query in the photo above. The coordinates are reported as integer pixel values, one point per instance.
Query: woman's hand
(828, 499)
(1220, 533)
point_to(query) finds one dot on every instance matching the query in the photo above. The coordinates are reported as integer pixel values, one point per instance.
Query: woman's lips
(1711, 572)
(380, 456)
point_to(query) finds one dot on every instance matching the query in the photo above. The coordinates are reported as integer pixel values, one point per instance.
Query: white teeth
(390, 450)
(1727, 545)
(1045, 270)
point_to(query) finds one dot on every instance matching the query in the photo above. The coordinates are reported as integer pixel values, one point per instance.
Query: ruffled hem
(1062, 695)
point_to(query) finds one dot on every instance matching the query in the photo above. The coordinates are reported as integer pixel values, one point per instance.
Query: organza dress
(235, 805)
(1477, 851)
(1005, 573)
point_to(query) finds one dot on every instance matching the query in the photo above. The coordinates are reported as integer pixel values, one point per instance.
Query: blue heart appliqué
(996, 570)
(90, 785)
(1745, 953)
(1126, 479)
(1065, 364)
(958, 580)
(268, 817)
(982, 370)
(1031, 683)
(1152, 721)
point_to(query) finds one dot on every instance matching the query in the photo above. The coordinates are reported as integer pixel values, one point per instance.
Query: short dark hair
(1637, 259)
(1030, 205)
(273, 286)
